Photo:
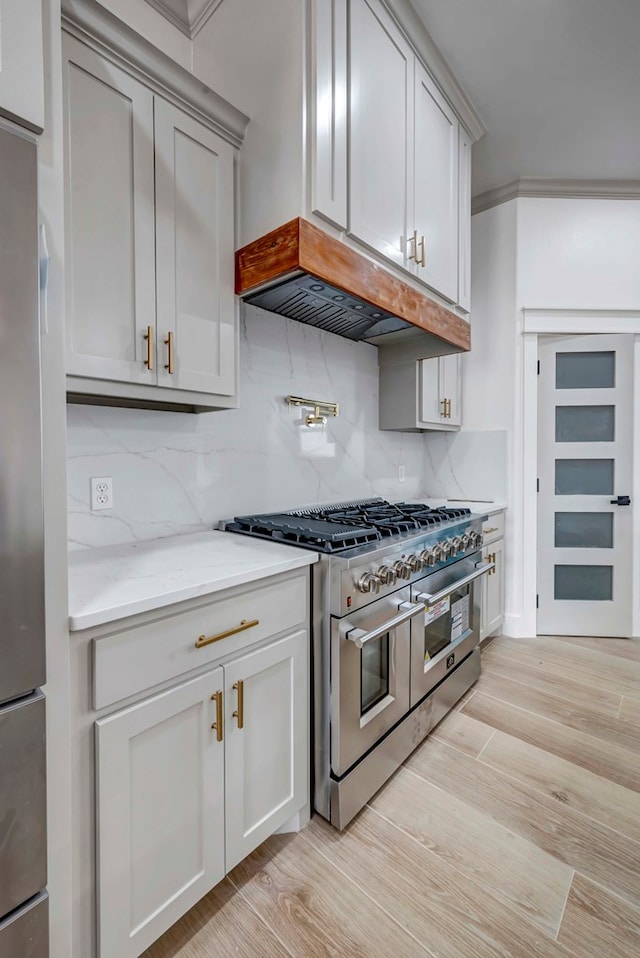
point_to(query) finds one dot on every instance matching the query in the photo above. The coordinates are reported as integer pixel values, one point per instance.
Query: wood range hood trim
(300, 247)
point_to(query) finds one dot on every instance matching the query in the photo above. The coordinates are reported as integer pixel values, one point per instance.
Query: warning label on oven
(459, 618)
(434, 611)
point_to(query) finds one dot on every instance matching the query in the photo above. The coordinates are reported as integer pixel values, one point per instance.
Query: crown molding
(558, 188)
(407, 18)
(189, 16)
(92, 23)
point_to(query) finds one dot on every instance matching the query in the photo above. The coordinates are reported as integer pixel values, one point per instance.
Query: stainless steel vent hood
(301, 272)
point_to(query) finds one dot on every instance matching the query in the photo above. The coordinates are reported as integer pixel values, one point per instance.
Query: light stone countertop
(484, 507)
(117, 581)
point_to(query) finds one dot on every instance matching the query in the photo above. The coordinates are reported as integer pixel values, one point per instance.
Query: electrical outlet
(400, 473)
(101, 493)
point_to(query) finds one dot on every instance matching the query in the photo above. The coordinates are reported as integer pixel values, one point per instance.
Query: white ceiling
(556, 83)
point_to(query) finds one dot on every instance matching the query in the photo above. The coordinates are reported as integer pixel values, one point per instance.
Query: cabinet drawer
(493, 528)
(133, 660)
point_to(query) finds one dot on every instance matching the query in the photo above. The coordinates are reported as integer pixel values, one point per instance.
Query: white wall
(578, 253)
(536, 253)
(181, 472)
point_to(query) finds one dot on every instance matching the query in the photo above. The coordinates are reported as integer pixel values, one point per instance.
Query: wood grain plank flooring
(582, 718)
(518, 872)
(614, 762)
(575, 787)
(589, 666)
(598, 924)
(536, 774)
(464, 733)
(582, 843)
(428, 896)
(607, 703)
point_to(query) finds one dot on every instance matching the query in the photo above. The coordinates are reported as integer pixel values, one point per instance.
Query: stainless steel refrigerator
(23, 831)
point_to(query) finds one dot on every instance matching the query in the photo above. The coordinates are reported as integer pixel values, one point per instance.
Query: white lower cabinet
(160, 813)
(191, 780)
(265, 743)
(492, 614)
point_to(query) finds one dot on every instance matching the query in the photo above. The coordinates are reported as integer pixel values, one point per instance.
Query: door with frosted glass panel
(585, 471)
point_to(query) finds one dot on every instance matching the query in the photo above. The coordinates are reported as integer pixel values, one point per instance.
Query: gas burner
(348, 525)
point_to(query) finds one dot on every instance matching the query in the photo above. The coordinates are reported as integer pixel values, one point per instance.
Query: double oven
(409, 655)
(395, 633)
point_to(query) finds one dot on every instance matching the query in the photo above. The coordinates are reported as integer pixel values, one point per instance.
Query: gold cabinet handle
(218, 725)
(492, 558)
(239, 712)
(443, 413)
(422, 259)
(448, 409)
(169, 344)
(490, 530)
(207, 640)
(148, 338)
(414, 239)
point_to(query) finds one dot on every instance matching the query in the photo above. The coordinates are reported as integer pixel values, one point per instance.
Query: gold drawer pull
(239, 713)
(218, 725)
(487, 532)
(443, 411)
(148, 338)
(422, 260)
(208, 640)
(169, 344)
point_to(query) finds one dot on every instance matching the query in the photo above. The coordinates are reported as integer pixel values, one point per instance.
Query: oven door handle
(429, 599)
(360, 637)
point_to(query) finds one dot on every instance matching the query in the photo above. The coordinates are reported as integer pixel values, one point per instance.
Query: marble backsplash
(470, 464)
(182, 472)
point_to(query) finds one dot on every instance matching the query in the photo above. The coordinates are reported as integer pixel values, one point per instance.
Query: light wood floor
(512, 831)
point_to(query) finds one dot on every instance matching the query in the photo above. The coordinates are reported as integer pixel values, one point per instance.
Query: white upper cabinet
(404, 166)
(435, 214)
(149, 194)
(21, 63)
(194, 259)
(423, 394)
(109, 185)
(380, 118)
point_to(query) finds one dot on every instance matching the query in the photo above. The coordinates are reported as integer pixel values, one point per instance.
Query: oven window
(447, 622)
(374, 673)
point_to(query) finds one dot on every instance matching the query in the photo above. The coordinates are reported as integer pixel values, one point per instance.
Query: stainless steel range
(395, 623)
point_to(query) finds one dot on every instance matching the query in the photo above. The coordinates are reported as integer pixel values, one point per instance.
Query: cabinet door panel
(381, 105)
(464, 220)
(329, 125)
(194, 249)
(266, 760)
(429, 384)
(110, 270)
(436, 186)
(160, 813)
(450, 382)
(21, 62)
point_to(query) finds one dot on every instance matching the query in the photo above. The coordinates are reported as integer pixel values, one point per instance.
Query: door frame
(560, 322)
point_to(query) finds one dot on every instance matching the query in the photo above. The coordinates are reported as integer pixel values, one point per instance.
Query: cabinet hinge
(538, 367)
(537, 485)
(537, 602)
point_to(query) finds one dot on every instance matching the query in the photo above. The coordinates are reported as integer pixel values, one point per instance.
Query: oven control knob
(467, 540)
(368, 582)
(414, 562)
(456, 545)
(386, 575)
(402, 569)
(444, 549)
(428, 557)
